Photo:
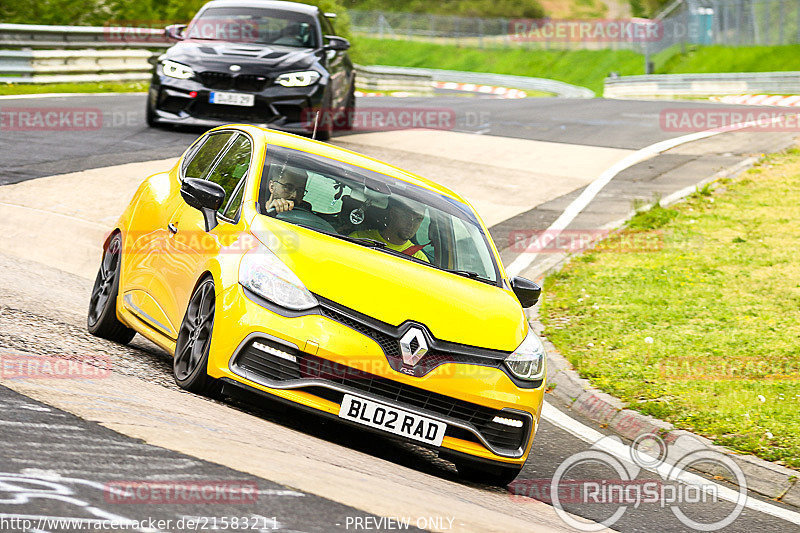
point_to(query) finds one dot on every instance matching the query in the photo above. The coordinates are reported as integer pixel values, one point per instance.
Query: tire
(190, 364)
(350, 109)
(101, 320)
(150, 115)
(324, 134)
(499, 476)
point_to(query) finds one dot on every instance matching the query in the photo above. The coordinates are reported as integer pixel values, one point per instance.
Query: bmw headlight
(298, 79)
(263, 273)
(528, 360)
(176, 70)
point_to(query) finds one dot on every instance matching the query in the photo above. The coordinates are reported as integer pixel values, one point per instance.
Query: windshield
(254, 26)
(366, 207)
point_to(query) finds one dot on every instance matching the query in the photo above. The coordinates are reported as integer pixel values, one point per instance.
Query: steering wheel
(303, 217)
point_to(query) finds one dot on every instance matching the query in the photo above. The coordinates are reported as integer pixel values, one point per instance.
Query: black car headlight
(298, 79)
(176, 70)
(528, 360)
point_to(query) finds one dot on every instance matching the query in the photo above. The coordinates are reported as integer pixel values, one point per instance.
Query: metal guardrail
(377, 78)
(670, 85)
(558, 88)
(36, 36)
(65, 66)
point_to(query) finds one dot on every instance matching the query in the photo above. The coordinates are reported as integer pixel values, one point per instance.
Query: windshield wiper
(467, 274)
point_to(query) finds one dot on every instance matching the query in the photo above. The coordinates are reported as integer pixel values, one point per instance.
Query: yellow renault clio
(307, 273)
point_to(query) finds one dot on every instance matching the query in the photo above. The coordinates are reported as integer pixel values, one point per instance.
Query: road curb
(577, 394)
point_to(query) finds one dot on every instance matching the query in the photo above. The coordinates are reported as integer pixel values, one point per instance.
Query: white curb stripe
(524, 260)
(623, 452)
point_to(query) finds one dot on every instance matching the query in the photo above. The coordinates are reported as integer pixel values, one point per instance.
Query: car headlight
(298, 79)
(176, 70)
(263, 273)
(528, 360)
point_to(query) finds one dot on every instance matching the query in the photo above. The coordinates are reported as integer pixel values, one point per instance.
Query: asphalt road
(37, 438)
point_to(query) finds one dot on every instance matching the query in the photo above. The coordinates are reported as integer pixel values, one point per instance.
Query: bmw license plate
(246, 100)
(392, 420)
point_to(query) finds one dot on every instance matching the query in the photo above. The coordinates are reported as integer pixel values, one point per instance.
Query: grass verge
(703, 332)
(105, 87)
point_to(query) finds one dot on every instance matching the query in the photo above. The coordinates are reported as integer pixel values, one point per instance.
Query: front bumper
(332, 359)
(276, 107)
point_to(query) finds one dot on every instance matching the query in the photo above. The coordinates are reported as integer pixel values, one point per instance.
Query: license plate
(392, 420)
(246, 100)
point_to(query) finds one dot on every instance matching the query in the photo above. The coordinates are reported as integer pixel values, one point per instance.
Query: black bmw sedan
(269, 63)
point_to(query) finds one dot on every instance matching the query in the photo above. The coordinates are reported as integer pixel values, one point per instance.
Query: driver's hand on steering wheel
(280, 205)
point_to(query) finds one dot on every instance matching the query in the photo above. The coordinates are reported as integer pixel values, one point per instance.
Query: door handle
(172, 228)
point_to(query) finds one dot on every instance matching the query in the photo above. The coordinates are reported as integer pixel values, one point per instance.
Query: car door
(190, 245)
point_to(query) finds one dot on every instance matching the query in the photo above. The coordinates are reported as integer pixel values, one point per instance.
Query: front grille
(260, 113)
(257, 363)
(250, 83)
(390, 344)
(216, 80)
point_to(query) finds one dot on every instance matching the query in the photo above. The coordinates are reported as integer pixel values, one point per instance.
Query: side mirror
(336, 43)
(206, 196)
(176, 31)
(526, 290)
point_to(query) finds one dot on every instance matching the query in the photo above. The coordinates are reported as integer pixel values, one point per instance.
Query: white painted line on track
(623, 452)
(524, 260)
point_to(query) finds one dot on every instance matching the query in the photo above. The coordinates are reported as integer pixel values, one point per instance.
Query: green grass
(704, 329)
(106, 87)
(729, 59)
(586, 68)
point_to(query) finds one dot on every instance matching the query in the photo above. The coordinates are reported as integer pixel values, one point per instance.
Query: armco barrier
(64, 66)
(36, 36)
(671, 85)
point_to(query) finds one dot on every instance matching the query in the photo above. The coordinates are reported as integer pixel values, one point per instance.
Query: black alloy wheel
(194, 341)
(102, 320)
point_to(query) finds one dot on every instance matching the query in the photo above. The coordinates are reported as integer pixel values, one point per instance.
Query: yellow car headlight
(528, 360)
(264, 274)
(298, 79)
(176, 70)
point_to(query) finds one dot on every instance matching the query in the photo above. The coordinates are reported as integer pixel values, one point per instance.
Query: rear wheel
(190, 363)
(476, 472)
(350, 109)
(102, 320)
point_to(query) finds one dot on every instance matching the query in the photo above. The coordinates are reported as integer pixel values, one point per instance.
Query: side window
(204, 157)
(235, 202)
(327, 27)
(231, 168)
(322, 193)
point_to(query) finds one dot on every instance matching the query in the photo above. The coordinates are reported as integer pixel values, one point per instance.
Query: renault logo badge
(413, 346)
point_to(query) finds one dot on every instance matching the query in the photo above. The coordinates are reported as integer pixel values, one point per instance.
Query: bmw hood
(395, 290)
(213, 55)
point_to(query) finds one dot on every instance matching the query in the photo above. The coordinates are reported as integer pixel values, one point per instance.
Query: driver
(287, 191)
(402, 223)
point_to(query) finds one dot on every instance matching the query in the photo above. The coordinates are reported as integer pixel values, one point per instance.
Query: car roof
(347, 156)
(267, 4)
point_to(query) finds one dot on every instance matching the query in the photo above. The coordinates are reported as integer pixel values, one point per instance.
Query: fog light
(274, 351)
(513, 422)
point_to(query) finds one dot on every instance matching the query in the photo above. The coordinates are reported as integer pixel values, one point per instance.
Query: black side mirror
(176, 31)
(205, 196)
(526, 290)
(336, 43)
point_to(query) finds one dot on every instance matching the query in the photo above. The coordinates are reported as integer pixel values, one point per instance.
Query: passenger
(402, 223)
(287, 191)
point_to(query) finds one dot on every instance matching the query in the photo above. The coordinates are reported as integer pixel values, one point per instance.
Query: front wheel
(102, 320)
(190, 363)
